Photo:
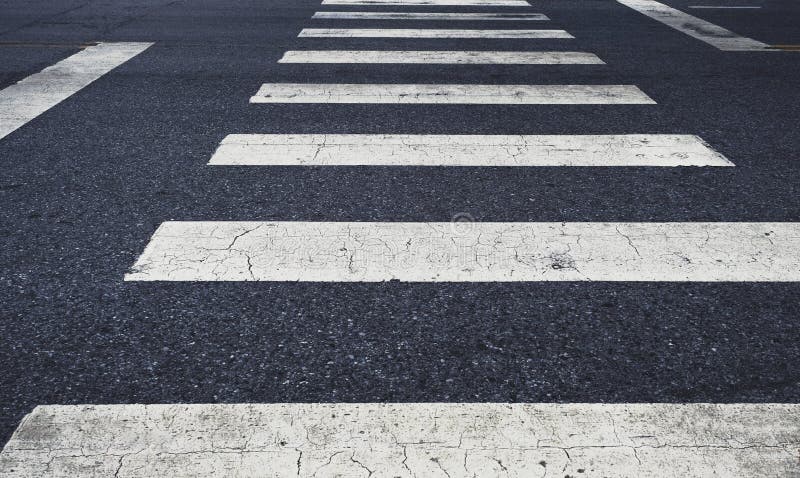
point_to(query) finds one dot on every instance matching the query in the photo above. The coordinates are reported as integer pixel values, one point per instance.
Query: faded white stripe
(449, 94)
(428, 33)
(406, 440)
(463, 150)
(24, 101)
(429, 16)
(702, 30)
(443, 57)
(476, 3)
(470, 252)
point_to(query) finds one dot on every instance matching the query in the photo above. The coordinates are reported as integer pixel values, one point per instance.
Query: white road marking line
(429, 16)
(24, 101)
(702, 30)
(406, 440)
(443, 57)
(471, 252)
(464, 150)
(428, 33)
(720, 6)
(468, 3)
(450, 94)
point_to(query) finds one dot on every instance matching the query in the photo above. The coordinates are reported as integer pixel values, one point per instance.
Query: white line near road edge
(486, 440)
(24, 101)
(720, 7)
(465, 150)
(450, 94)
(429, 16)
(429, 33)
(467, 3)
(702, 30)
(443, 57)
(471, 252)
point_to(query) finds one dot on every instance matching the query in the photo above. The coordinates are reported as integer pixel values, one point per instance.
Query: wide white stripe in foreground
(443, 57)
(463, 150)
(702, 30)
(450, 94)
(406, 440)
(470, 252)
(24, 101)
(427, 33)
(474, 3)
(428, 16)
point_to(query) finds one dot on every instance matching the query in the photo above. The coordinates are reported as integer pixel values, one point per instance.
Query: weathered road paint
(465, 150)
(451, 94)
(428, 33)
(24, 101)
(443, 57)
(471, 252)
(429, 16)
(466, 3)
(702, 30)
(406, 440)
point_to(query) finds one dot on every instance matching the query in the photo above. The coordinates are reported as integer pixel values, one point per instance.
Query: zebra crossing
(447, 439)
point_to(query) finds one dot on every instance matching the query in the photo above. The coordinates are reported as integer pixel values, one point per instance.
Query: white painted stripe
(468, 3)
(471, 252)
(24, 101)
(720, 7)
(406, 440)
(702, 30)
(428, 33)
(429, 16)
(443, 57)
(449, 94)
(478, 150)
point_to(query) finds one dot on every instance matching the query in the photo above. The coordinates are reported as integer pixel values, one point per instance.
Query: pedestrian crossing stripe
(465, 150)
(451, 94)
(406, 440)
(430, 33)
(435, 3)
(429, 16)
(443, 57)
(471, 252)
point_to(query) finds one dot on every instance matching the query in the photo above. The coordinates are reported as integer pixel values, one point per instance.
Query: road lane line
(443, 57)
(24, 101)
(720, 7)
(429, 16)
(702, 30)
(450, 94)
(465, 150)
(471, 252)
(428, 33)
(467, 3)
(406, 440)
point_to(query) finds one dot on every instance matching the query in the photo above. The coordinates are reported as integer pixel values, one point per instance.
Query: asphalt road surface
(121, 281)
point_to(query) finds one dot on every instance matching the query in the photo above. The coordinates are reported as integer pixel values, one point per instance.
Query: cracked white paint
(465, 150)
(450, 94)
(468, 3)
(443, 57)
(702, 30)
(452, 440)
(429, 16)
(470, 252)
(428, 33)
(29, 98)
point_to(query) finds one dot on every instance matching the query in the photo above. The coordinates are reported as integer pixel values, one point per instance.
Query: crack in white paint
(465, 150)
(450, 94)
(443, 57)
(471, 252)
(429, 33)
(429, 16)
(406, 440)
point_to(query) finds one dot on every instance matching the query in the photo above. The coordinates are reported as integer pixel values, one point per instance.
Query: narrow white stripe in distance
(720, 6)
(443, 57)
(428, 16)
(29, 98)
(450, 94)
(487, 440)
(702, 30)
(429, 33)
(468, 3)
(464, 150)
(471, 252)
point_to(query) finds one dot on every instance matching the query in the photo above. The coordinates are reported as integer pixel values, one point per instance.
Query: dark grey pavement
(84, 186)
